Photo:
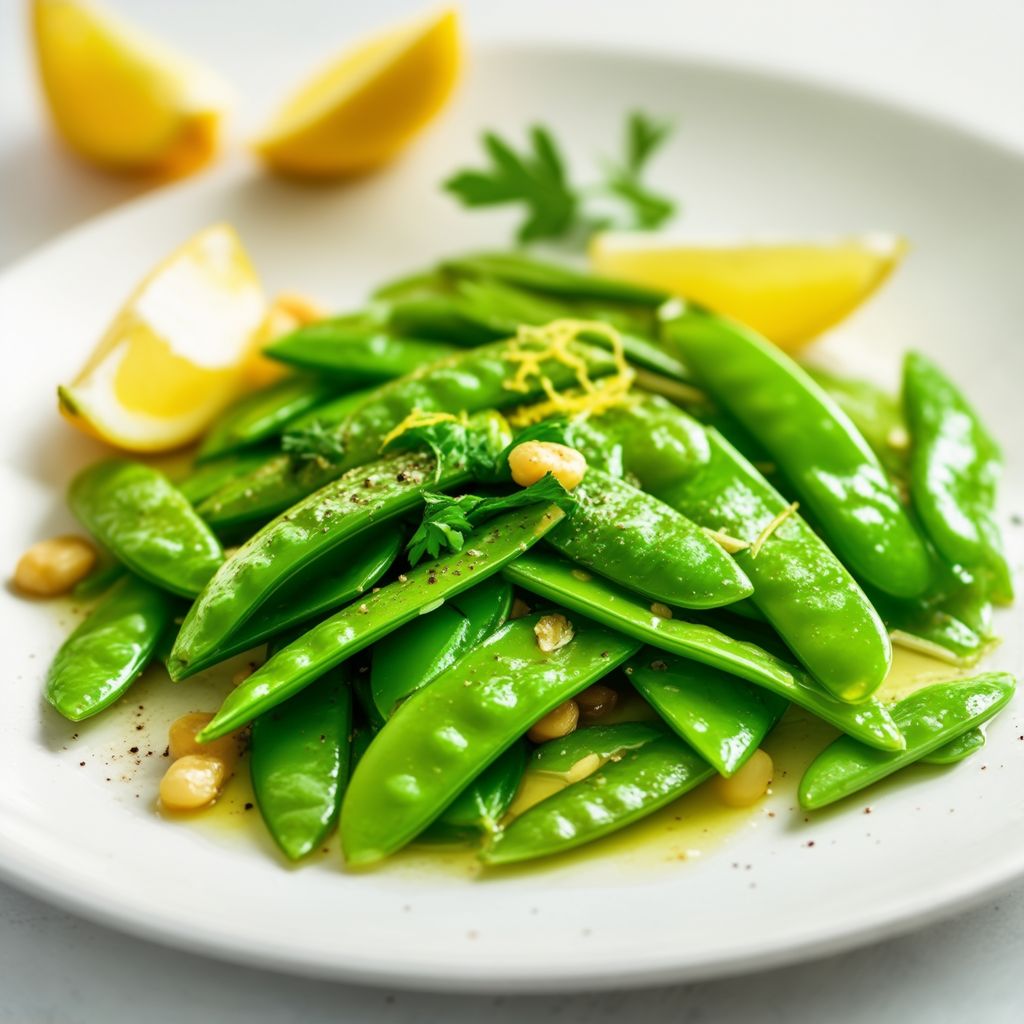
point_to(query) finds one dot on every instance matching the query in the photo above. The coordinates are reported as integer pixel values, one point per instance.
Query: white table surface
(961, 59)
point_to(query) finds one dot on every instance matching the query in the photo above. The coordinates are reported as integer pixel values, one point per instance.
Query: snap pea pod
(817, 447)
(559, 757)
(360, 500)
(927, 627)
(720, 716)
(560, 581)
(109, 650)
(954, 472)
(444, 735)
(300, 754)
(107, 571)
(469, 381)
(613, 797)
(145, 522)
(421, 651)
(335, 347)
(352, 629)
(929, 719)
(262, 415)
(959, 749)
(330, 582)
(210, 477)
(643, 544)
(331, 414)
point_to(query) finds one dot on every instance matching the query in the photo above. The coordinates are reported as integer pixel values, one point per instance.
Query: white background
(958, 59)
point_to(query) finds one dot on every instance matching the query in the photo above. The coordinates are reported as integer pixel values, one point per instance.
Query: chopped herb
(316, 441)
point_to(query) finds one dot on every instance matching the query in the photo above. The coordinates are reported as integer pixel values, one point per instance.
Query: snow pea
(643, 544)
(421, 651)
(560, 581)
(816, 446)
(283, 549)
(954, 471)
(109, 650)
(355, 627)
(721, 717)
(262, 415)
(337, 348)
(205, 480)
(959, 749)
(928, 627)
(300, 753)
(613, 797)
(107, 571)
(929, 718)
(145, 521)
(328, 583)
(444, 735)
(559, 757)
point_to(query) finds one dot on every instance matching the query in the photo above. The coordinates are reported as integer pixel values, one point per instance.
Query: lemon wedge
(790, 292)
(177, 353)
(121, 99)
(359, 111)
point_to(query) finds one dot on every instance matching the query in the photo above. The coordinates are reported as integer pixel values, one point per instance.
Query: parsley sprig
(538, 179)
(316, 441)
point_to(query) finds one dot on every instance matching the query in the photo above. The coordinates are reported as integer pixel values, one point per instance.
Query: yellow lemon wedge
(362, 109)
(121, 99)
(790, 291)
(178, 351)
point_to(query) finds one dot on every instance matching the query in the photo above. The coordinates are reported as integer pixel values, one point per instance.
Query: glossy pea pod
(355, 627)
(930, 719)
(591, 746)
(146, 522)
(570, 586)
(211, 476)
(447, 733)
(819, 450)
(954, 472)
(645, 545)
(616, 795)
(109, 650)
(959, 749)
(721, 717)
(469, 382)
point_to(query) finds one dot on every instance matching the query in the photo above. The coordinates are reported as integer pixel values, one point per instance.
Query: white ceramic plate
(755, 155)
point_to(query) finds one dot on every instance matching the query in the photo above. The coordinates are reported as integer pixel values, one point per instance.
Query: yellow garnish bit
(762, 537)
(419, 418)
(732, 545)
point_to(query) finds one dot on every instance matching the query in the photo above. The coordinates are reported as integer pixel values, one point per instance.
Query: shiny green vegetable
(929, 718)
(568, 585)
(145, 522)
(210, 477)
(105, 573)
(356, 627)
(816, 446)
(559, 757)
(421, 651)
(954, 472)
(613, 797)
(262, 415)
(300, 754)
(444, 735)
(109, 650)
(721, 717)
(959, 749)
(643, 544)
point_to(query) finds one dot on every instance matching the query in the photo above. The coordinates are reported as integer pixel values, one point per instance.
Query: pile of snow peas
(749, 534)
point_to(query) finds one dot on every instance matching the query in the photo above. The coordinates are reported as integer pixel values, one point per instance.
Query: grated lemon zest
(418, 418)
(762, 537)
(732, 545)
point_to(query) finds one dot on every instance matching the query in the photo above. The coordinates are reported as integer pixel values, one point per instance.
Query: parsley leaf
(316, 441)
(447, 520)
(644, 136)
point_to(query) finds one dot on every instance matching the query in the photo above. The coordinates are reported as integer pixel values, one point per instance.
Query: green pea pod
(929, 719)
(328, 584)
(335, 347)
(334, 516)
(109, 650)
(959, 749)
(636, 540)
(613, 797)
(210, 477)
(927, 627)
(444, 735)
(559, 757)
(144, 521)
(722, 718)
(815, 445)
(331, 414)
(421, 651)
(470, 381)
(107, 571)
(299, 762)
(568, 585)
(954, 472)
(354, 628)
(361, 737)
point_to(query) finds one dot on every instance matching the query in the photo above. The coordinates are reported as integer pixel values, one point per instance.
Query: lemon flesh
(789, 292)
(121, 99)
(362, 109)
(177, 353)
